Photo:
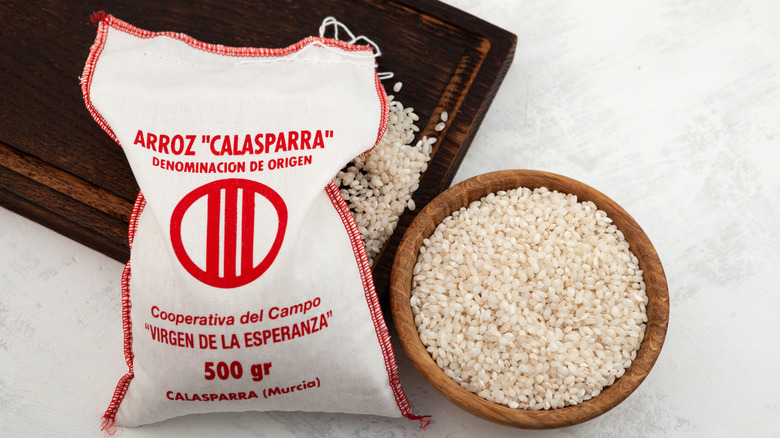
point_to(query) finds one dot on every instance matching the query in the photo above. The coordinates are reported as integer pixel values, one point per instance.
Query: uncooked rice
(530, 299)
(378, 186)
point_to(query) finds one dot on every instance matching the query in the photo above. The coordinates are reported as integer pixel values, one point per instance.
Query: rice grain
(378, 186)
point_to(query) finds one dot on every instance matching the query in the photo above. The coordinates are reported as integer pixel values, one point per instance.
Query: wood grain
(462, 195)
(60, 169)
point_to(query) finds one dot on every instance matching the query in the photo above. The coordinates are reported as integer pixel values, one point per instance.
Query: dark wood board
(60, 169)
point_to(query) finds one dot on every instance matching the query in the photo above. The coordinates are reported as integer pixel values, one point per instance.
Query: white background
(671, 108)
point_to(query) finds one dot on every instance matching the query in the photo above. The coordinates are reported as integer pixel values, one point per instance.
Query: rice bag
(248, 287)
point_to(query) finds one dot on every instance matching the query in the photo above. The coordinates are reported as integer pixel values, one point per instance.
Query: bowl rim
(463, 194)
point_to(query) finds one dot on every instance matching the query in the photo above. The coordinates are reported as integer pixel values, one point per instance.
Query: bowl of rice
(529, 299)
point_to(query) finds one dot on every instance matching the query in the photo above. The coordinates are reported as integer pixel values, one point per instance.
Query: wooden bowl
(462, 195)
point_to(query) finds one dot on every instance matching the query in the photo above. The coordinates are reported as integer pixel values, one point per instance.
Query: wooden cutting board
(60, 169)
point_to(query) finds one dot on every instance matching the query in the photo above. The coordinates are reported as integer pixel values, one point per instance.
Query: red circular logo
(230, 234)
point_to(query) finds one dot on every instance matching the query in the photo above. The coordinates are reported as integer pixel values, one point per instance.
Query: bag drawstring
(336, 25)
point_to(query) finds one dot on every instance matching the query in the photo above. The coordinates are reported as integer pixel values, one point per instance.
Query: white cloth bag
(248, 287)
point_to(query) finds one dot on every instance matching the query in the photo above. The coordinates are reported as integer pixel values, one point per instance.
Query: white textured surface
(670, 108)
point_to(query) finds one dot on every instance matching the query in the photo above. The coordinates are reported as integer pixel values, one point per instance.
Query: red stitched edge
(219, 49)
(359, 251)
(127, 329)
(380, 91)
(89, 70)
